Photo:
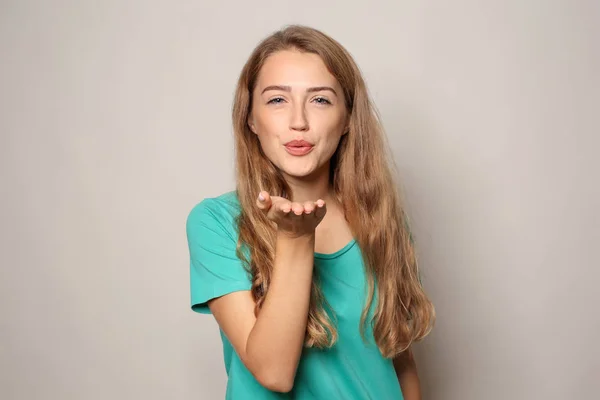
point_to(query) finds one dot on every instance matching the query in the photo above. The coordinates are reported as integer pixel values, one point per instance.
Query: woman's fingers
(309, 207)
(264, 201)
(297, 208)
(320, 209)
(279, 209)
(285, 207)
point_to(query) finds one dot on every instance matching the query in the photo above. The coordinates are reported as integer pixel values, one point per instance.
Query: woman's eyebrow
(309, 90)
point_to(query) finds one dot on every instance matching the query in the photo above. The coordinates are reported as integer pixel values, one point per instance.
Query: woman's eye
(276, 100)
(322, 100)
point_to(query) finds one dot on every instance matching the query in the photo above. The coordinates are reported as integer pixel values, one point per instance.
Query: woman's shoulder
(221, 210)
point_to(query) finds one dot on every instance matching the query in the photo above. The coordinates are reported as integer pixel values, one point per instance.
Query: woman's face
(298, 113)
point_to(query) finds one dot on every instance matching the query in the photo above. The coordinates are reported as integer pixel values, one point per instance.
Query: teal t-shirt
(351, 369)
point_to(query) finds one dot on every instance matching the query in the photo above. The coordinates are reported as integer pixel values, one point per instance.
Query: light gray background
(114, 122)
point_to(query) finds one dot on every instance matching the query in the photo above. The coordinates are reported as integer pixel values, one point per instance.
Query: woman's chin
(299, 173)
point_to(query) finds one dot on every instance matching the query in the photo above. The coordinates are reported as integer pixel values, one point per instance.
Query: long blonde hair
(362, 180)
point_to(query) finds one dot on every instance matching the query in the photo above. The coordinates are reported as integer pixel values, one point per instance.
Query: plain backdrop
(115, 122)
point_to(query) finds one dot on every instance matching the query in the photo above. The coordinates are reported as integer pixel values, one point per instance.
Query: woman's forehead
(296, 70)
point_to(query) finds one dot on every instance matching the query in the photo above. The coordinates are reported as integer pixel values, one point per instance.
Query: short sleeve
(215, 269)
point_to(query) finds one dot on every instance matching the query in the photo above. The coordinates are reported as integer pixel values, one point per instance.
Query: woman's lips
(298, 147)
(298, 150)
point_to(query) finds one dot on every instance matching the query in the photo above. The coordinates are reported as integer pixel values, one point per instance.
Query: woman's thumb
(264, 200)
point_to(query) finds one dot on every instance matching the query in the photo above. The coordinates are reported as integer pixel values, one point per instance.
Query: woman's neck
(311, 188)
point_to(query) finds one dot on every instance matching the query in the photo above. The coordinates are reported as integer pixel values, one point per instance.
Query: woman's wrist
(296, 237)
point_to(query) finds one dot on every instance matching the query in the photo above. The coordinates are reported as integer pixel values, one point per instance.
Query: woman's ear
(251, 123)
(347, 126)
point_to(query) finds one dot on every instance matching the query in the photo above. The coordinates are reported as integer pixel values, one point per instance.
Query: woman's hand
(292, 219)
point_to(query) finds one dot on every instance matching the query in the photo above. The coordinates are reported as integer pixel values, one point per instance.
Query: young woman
(308, 267)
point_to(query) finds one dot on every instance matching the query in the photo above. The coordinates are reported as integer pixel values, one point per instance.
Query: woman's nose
(298, 119)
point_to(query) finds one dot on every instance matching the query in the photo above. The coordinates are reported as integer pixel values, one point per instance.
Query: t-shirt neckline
(338, 253)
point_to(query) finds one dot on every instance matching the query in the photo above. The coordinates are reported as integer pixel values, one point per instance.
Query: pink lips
(298, 147)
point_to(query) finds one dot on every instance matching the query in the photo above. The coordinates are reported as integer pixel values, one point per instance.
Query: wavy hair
(361, 175)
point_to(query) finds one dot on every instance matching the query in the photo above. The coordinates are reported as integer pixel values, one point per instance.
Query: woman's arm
(270, 345)
(406, 370)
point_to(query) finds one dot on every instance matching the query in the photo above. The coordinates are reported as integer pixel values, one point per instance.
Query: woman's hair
(362, 180)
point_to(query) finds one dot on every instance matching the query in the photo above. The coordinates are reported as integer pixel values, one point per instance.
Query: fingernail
(261, 197)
